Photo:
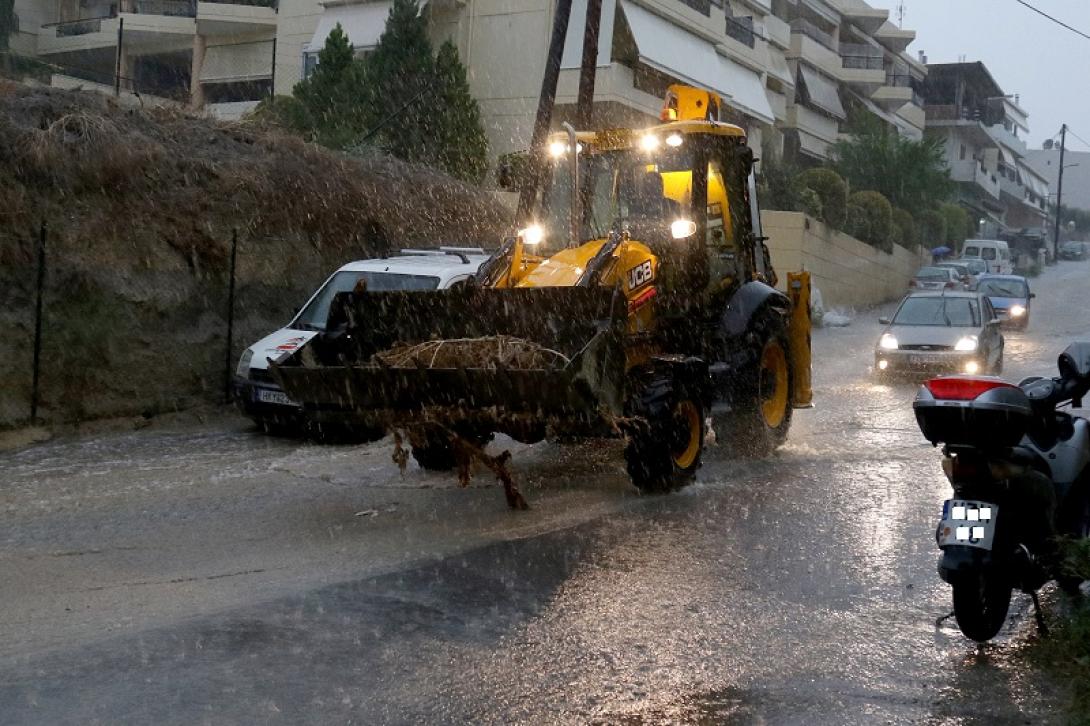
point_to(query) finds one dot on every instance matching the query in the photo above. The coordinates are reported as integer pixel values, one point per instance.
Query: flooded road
(209, 574)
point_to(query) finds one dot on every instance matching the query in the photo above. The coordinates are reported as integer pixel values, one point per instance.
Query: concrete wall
(849, 273)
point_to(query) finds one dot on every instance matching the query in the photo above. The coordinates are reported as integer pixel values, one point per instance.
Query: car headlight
(243, 369)
(888, 342)
(1017, 311)
(968, 342)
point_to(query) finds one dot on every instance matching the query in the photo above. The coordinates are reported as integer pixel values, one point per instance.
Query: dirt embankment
(140, 208)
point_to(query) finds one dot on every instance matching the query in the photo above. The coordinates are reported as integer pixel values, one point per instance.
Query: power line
(1055, 20)
(1078, 137)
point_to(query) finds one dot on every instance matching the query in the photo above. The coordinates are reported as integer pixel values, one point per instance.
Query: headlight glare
(888, 342)
(967, 342)
(1017, 311)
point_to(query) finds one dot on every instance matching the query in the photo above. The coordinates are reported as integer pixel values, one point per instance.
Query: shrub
(904, 228)
(810, 203)
(957, 223)
(778, 185)
(855, 221)
(831, 189)
(931, 228)
(878, 213)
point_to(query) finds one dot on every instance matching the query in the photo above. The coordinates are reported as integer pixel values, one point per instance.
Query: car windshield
(933, 274)
(315, 314)
(1003, 288)
(946, 311)
(976, 266)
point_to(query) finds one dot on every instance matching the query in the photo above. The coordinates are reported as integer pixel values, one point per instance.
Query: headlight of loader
(967, 342)
(243, 369)
(888, 342)
(1017, 311)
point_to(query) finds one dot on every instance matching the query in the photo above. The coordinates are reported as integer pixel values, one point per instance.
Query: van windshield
(315, 314)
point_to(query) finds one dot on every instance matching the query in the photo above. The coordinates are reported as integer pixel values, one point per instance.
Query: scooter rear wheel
(980, 605)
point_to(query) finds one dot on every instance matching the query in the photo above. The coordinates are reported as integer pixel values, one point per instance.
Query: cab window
(988, 253)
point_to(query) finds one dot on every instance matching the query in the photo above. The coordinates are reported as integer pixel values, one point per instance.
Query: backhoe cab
(637, 299)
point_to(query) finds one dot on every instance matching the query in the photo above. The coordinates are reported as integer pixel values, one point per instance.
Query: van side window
(972, 252)
(988, 253)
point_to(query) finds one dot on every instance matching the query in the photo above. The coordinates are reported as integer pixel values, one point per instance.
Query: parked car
(950, 331)
(1074, 250)
(260, 398)
(1010, 296)
(995, 253)
(936, 278)
(962, 269)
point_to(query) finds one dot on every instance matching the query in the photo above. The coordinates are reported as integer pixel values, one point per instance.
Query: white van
(261, 399)
(996, 254)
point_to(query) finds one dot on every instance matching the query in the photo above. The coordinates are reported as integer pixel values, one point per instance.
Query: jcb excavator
(640, 295)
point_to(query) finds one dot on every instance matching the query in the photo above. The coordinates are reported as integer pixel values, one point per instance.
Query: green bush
(832, 190)
(1066, 652)
(957, 223)
(778, 188)
(855, 221)
(931, 228)
(878, 213)
(904, 229)
(810, 203)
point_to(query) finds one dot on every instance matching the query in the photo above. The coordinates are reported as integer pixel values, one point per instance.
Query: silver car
(936, 278)
(947, 331)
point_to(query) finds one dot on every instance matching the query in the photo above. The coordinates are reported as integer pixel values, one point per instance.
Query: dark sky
(1047, 65)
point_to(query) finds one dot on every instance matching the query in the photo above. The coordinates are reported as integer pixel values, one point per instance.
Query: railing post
(34, 389)
(117, 59)
(230, 319)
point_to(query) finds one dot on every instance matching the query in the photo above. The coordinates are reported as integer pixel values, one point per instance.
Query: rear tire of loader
(665, 454)
(760, 416)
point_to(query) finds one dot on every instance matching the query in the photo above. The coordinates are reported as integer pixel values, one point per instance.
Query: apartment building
(1046, 162)
(848, 58)
(790, 71)
(982, 129)
(214, 54)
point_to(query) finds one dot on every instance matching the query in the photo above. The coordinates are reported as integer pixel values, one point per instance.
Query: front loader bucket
(480, 355)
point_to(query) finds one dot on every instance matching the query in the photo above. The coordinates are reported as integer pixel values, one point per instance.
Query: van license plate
(277, 397)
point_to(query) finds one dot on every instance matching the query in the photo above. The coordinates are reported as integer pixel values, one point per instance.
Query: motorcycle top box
(978, 411)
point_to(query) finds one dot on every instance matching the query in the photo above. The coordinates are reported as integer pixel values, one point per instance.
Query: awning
(362, 23)
(1007, 157)
(876, 109)
(682, 55)
(1032, 182)
(822, 92)
(813, 146)
(573, 43)
(237, 62)
(777, 68)
(742, 89)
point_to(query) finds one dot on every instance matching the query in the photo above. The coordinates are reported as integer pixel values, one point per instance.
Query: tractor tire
(760, 414)
(664, 454)
(437, 454)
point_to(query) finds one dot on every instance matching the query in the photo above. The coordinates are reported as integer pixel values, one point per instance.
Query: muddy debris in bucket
(492, 352)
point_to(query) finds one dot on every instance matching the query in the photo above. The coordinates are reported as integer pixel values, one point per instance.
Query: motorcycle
(1020, 470)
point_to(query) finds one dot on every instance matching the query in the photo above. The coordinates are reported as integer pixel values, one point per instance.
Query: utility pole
(1059, 197)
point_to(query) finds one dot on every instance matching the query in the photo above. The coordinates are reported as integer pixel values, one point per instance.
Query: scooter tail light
(963, 388)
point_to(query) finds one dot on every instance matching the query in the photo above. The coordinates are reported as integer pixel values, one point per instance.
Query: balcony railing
(813, 32)
(704, 7)
(741, 29)
(174, 8)
(858, 55)
(83, 26)
(898, 80)
(274, 4)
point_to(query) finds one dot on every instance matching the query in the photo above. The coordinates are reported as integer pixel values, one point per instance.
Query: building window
(963, 152)
(704, 7)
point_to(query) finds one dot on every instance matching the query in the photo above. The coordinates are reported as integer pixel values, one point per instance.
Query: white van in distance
(994, 253)
(261, 399)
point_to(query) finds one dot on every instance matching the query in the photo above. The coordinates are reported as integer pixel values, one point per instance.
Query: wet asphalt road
(208, 574)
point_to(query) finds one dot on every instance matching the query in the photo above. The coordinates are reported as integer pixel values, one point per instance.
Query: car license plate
(278, 397)
(967, 523)
(921, 360)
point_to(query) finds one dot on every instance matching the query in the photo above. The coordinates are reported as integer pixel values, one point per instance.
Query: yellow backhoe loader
(638, 301)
